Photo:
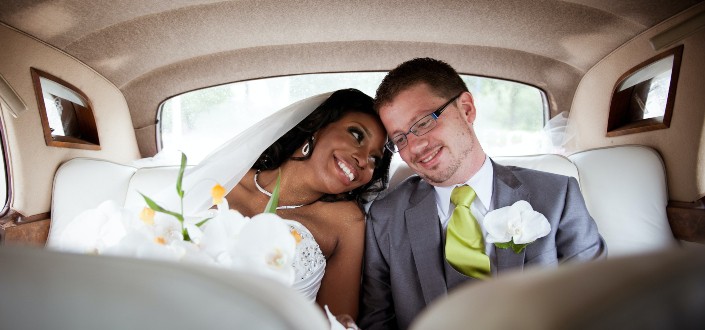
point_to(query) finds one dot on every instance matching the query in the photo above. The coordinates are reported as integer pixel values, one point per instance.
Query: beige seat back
(655, 290)
(83, 183)
(625, 190)
(43, 289)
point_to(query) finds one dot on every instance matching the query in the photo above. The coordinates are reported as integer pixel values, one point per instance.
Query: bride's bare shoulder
(244, 197)
(346, 212)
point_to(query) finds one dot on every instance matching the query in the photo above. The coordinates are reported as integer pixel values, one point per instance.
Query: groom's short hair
(439, 75)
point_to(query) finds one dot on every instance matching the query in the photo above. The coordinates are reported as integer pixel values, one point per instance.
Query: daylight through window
(510, 120)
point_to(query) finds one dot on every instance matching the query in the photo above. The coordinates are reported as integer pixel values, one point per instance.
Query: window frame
(618, 122)
(90, 129)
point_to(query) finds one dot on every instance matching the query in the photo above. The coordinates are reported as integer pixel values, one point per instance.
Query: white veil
(229, 163)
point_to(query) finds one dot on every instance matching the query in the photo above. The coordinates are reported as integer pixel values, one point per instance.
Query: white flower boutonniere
(515, 226)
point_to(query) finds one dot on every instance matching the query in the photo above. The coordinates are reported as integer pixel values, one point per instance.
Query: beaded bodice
(309, 263)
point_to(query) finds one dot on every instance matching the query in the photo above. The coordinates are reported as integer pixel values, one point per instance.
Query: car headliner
(156, 49)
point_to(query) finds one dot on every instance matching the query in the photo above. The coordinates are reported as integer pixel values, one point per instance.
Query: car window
(4, 182)
(644, 97)
(510, 119)
(65, 112)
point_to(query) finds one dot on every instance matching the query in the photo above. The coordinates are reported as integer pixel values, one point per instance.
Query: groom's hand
(347, 321)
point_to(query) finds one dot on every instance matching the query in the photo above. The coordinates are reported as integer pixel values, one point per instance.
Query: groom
(419, 245)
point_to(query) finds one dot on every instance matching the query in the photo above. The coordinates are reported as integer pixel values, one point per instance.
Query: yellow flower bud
(297, 235)
(217, 193)
(147, 215)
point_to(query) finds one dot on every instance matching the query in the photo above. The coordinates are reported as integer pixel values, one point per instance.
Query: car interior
(97, 96)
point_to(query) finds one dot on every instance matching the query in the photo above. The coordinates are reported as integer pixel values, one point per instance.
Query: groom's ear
(466, 104)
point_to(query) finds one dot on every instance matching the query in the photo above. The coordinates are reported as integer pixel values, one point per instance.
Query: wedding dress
(309, 263)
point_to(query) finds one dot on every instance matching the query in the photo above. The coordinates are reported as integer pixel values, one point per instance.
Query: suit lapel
(423, 228)
(507, 190)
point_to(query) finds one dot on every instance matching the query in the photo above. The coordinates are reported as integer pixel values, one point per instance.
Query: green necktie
(465, 247)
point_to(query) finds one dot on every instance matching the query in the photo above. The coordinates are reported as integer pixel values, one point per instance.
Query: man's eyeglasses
(421, 127)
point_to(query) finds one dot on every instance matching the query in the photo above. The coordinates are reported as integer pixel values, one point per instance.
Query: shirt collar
(481, 182)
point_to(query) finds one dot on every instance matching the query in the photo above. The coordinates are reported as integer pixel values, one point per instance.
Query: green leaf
(180, 178)
(274, 200)
(505, 245)
(154, 206)
(202, 222)
(518, 247)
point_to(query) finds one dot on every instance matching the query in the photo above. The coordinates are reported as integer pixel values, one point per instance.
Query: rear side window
(510, 120)
(10, 103)
(4, 175)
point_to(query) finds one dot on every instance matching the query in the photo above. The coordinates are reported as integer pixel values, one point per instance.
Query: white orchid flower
(220, 234)
(267, 247)
(96, 229)
(155, 237)
(518, 224)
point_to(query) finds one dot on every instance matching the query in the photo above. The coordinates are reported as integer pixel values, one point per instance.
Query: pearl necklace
(283, 207)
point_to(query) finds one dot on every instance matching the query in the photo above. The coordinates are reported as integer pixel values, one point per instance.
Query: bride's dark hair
(331, 110)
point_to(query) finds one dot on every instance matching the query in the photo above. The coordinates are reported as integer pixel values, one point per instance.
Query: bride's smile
(349, 150)
(347, 170)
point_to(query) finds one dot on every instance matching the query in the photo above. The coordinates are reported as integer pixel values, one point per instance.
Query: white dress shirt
(481, 182)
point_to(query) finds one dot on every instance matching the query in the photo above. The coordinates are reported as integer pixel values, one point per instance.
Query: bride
(331, 163)
(328, 150)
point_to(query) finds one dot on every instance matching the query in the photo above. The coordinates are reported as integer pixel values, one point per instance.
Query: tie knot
(462, 195)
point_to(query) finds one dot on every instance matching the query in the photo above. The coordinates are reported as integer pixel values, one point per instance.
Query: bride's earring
(307, 147)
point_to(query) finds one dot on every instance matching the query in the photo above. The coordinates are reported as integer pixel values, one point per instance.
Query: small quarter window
(65, 112)
(643, 98)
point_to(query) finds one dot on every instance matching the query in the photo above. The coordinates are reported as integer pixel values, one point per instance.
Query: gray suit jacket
(405, 268)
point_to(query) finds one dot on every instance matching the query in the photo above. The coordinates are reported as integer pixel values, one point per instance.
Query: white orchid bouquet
(263, 244)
